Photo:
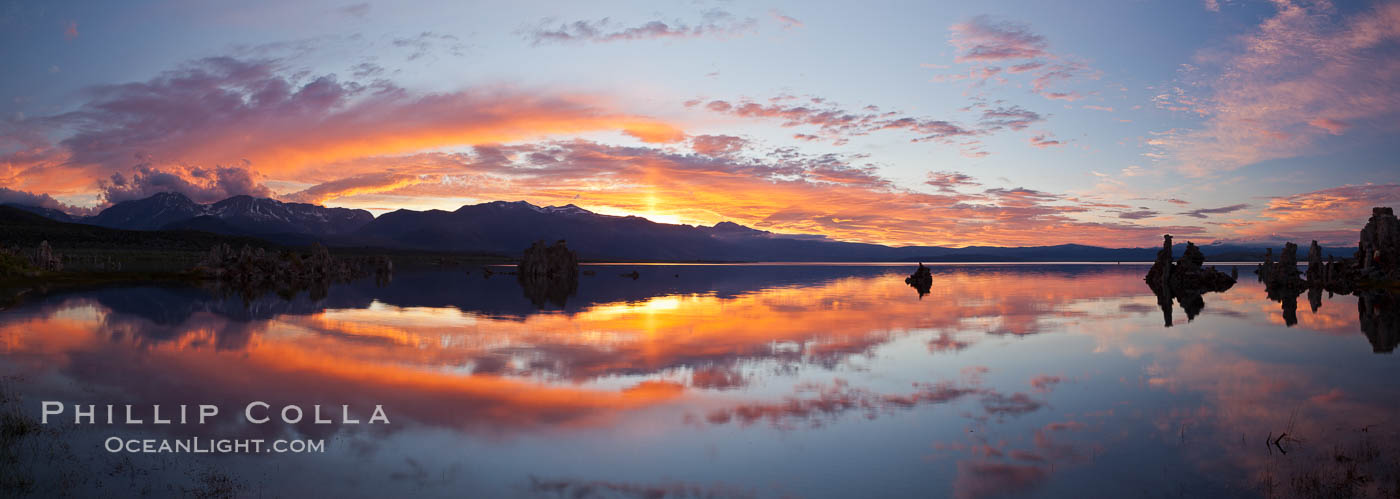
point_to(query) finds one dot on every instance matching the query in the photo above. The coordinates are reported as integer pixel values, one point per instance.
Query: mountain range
(506, 228)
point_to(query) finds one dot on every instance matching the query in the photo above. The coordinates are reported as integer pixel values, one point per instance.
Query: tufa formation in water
(548, 273)
(253, 270)
(1375, 263)
(1185, 280)
(921, 280)
(1187, 274)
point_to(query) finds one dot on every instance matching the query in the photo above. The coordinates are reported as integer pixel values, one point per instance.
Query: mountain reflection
(441, 343)
(709, 352)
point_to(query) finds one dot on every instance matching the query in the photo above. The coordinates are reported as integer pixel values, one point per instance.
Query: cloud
(1203, 212)
(836, 123)
(369, 183)
(1332, 126)
(1137, 215)
(1108, 109)
(203, 185)
(950, 181)
(1045, 382)
(1337, 72)
(12, 196)
(982, 39)
(425, 43)
(717, 145)
(1333, 215)
(1044, 140)
(838, 196)
(356, 10)
(70, 30)
(787, 22)
(1013, 117)
(227, 111)
(712, 23)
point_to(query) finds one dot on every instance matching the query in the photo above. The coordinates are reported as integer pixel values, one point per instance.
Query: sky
(943, 123)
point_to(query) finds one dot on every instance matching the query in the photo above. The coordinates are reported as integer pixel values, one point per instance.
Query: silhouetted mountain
(269, 216)
(49, 213)
(238, 215)
(23, 228)
(148, 214)
(507, 228)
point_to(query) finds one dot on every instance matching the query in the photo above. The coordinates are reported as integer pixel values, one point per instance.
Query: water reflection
(1000, 379)
(1379, 315)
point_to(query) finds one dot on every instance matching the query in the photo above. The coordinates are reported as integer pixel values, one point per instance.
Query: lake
(719, 381)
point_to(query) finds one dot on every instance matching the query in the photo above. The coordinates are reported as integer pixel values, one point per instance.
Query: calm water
(696, 381)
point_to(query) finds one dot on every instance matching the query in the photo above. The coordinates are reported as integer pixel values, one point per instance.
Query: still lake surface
(718, 381)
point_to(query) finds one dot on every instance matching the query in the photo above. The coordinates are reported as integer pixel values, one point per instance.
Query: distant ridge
(506, 228)
(238, 215)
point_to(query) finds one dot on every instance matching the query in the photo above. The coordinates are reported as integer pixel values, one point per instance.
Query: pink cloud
(1332, 126)
(839, 196)
(1332, 216)
(717, 145)
(1334, 71)
(786, 21)
(253, 115)
(203, 185)
(1043, 141)
(982, 39)
(1045, 382)
(835, 122)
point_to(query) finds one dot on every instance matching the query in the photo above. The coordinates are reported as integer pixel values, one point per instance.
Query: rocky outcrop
(1314, 272)
(1376, 262)
(1186, 280)
(921, 280)
(1378, 251)
(46, 259)
(16, 262)
(1187, 274)
(256, 270)
(553, 262)
(1161, 269)
(548, 274)
(1284, 273)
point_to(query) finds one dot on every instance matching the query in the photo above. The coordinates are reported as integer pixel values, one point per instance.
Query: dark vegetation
(87, 255)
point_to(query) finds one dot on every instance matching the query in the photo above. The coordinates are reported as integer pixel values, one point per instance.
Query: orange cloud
(1332, 216)
(219, 112)
(786, 192)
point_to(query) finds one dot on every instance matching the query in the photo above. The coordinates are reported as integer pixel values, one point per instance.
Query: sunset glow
(1008, 125)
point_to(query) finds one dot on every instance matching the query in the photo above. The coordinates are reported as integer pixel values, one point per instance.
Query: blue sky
(1224, 120)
